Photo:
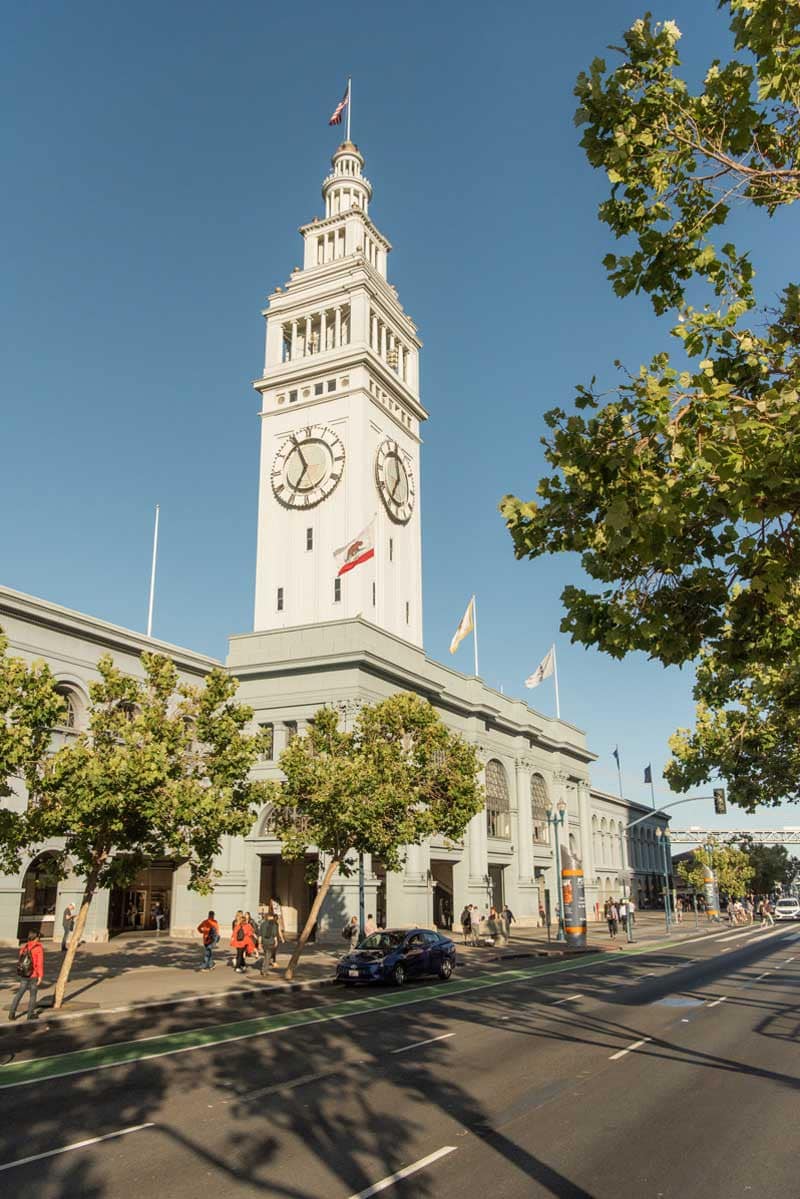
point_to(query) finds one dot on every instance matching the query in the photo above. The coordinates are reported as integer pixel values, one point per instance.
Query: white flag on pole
(543, 670)
(465, 626)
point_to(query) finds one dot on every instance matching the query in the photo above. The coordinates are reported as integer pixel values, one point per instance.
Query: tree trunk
(89, 889)
(312, 917)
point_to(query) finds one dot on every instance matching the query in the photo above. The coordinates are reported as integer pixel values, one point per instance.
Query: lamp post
(625, 887)
(663, 840)
(555, 818)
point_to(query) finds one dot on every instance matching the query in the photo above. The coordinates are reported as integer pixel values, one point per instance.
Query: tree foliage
(774, 867)
(161, 771)
(398, 777)
(29, 708)
(681, 492)
(732, 869)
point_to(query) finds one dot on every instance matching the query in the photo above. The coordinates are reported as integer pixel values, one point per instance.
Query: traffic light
(720, 807)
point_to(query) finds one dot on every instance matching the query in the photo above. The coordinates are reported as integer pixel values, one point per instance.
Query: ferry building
(340, 432)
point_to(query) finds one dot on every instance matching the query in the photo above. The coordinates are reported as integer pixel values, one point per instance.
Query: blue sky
(158, 160)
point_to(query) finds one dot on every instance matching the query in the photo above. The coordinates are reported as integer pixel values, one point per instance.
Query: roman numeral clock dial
(307, 467)
(395, 481)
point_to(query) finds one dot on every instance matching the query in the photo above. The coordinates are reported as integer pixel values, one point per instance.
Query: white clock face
(307, 467)
(395, 480)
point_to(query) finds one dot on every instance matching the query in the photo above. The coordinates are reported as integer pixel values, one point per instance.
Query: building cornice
(327, 222)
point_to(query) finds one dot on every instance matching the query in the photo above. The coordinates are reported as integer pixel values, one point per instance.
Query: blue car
(393, 955)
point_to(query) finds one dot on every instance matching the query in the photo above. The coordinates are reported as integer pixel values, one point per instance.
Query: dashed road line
(430, 1040)
(109, 1136)
(629, 1049)
(385, 1183)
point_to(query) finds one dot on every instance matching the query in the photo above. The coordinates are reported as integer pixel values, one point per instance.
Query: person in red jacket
(30, 968)
(242, 941)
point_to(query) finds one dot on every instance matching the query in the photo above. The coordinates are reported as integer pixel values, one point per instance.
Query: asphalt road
(669, 1073)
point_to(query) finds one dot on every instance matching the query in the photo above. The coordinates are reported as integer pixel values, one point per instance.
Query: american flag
(336, 117)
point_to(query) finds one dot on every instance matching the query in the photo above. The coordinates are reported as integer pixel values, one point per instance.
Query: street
(660, 1073)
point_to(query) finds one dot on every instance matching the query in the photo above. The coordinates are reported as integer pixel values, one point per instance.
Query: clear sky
(157, 162)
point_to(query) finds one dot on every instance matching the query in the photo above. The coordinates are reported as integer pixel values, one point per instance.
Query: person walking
(67, 923)
(465, 923)
(350, 932)
(209, 931)
(268, 931)
(768, 919)
(612, 919)
(278, 910)
(508, 920)
(241, 942)
(30, 971)
(158, 916)
(370, 926)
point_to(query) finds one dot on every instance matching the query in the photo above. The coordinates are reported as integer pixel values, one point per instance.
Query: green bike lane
(40, 1069)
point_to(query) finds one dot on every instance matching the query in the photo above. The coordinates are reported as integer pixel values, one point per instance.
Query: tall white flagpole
(555, 680)
(475, 633)
(153, 577)
(349, 104)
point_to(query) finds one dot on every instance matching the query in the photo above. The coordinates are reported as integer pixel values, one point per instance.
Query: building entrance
(38, 903)
(137, 908)
(497, 894)
(442, 875)
(288, 882)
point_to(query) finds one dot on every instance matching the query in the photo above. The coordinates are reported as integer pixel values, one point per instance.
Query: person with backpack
(269, 931)
(350, 932)
(30, 971)
(465, 923)
(241, 942)
(209, 931)
(67, 923)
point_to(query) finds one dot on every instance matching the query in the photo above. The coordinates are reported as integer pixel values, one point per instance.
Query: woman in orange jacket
(242, 941)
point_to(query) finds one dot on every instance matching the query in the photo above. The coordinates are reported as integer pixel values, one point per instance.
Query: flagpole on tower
(153, 576)
(555, 680)
(349, 104)
(475, 633)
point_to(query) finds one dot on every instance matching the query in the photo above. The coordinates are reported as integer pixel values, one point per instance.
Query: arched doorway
(37, 908)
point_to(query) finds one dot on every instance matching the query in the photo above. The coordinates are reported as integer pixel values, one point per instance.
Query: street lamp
(555, 818)
(663, 840)
(624, 875)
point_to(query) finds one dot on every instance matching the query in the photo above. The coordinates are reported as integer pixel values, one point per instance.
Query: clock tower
(340, 428)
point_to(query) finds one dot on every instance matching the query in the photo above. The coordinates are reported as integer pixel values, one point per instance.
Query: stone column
(323, 331)
(524, 822)
(382, 350)
(373, 335)
(294, 341)
(307, 343)
(337, 334)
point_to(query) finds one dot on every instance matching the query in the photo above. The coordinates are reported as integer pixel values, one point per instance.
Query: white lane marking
(650, 974)
(788, 960)
(405, 1172)
(717, 1002)
(732, 936)
(37, 1157)
(566, 999)
(630, 1048)
(430, 1041)
(730, 947)
(764, 975)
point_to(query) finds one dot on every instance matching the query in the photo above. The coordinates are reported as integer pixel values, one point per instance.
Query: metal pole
(668, 873)
(555, 680)
(696, 917)
(361, 918)
(475, 634)
(153, 577)
(349, 104)
(666, 883)
(560, 935)
(625, 889)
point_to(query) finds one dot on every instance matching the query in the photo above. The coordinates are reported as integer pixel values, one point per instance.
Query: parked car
(393, 955)
(787, 908)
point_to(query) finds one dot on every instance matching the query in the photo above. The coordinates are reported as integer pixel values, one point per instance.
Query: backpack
(346, 931)
(25, 964)
(240, 933)
(210, 934)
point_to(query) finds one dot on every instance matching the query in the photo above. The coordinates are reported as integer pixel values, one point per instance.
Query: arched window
(39, 892)
(70, 715)
(539, 804)
(498, 819)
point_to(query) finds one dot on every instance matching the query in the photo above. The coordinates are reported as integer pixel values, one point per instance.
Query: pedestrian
(542, 915)
(209, 931)
(474, 923)
(508, 920)
(158, 916)
(67, 923)
(631, 912)
(466, 925)
(370, 927)
(241, 942)
(622, 914)
(768, 920)
(278, 910)
(268, 932)
(30, 971)
(612, 920)
(350, 933)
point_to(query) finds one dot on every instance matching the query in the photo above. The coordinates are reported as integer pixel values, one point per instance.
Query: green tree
(681, 492)
(30, 707)
(773, 866)
(398, 777)
(161, 771)
(731, 867)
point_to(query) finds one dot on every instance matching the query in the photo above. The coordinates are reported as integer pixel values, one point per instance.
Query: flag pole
(349, 103)
(619, 772)
(652, 789)
(555, 680)
(153, 577)
(475, 633)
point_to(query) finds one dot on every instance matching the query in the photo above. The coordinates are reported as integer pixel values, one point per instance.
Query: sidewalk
(140, 969)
